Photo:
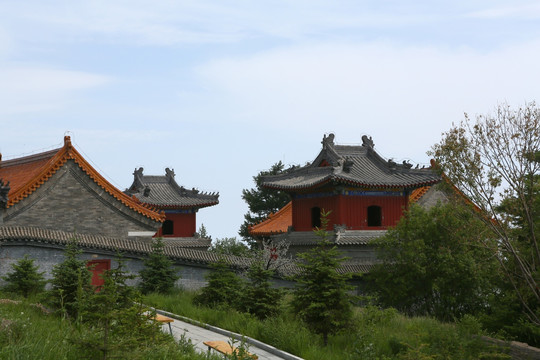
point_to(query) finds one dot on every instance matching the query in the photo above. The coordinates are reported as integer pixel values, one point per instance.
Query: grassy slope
(377, 334)
(26, 332)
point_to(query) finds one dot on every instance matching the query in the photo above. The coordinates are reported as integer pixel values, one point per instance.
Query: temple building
(60, 190)
(363, 193)
(52, 198)
(179, 204)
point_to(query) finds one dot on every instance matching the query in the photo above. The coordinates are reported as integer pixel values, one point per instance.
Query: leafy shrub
(258, 296)
(223, 286)
(158, 274)
(25, 278)
(71, 282)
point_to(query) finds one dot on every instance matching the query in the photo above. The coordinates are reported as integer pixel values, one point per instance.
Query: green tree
(229, 246)
(158, 274)
(432, 264)
(70, 282)
(223, 286)
(258, 296)
(116, 320)
(262, 201)
(321, 298)
(25, 278)
(493, 160)
(202, 233)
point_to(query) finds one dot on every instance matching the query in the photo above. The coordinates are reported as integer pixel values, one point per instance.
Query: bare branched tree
(493, 161)
(274, 255)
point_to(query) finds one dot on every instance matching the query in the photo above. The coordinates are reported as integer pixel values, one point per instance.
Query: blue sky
(220, 90)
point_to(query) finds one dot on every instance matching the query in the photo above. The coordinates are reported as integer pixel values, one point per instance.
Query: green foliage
(375, 333)
(262, 201)
(321, 297)
(258, 297)
(493, 161)
(71, 282)
(202, 233)
(158, 274)
(27, 332)
(432, 264)
(229, 246)
(223, 286)
(25, 278)
(116, 321)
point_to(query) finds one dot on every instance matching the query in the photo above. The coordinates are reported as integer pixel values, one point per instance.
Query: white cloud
(32, 89)
(204, 21)
(526, 10)
(408, 92)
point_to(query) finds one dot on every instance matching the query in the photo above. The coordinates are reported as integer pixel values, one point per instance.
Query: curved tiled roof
(417, 194)
(352, 165)
(134, 246)
(46, 237)
(27, 174)
(163, 192)
(339, 238)
(275, 223)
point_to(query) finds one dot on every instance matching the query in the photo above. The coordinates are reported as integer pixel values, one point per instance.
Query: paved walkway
(185, 327)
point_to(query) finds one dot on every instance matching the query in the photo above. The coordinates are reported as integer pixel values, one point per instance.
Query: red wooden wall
(184, 225)
(348, 210)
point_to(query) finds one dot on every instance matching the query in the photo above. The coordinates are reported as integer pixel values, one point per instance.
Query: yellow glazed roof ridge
(68, 152)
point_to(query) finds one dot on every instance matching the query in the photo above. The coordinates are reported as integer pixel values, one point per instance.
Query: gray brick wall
(72, 202)
(191, 276)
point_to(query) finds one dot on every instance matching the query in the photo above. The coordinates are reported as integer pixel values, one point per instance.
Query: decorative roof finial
(138, 172)
(328, 140)
(146, 191)
(367, 141)
(169, 173)
(67, 141)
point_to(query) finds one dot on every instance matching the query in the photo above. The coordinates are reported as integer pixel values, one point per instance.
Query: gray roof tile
(352, 165)
(135, 246)
(162, 191)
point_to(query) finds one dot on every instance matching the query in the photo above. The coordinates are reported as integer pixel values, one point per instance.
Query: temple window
(316, 217)
(167, 227)
(374, 215)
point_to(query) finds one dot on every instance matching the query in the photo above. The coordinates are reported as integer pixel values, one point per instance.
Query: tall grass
(28, 332)
(376, 334)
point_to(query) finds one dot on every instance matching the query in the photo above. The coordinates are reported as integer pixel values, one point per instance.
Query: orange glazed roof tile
(275, 224)
(25, 175)
(416, 194)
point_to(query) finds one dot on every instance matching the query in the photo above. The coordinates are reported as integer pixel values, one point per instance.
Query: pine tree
(223, 286)
(158, 274)
(321, 298)
(262, 201)
(258, 296)
(25, 278)
(71, 281)
(116, 320)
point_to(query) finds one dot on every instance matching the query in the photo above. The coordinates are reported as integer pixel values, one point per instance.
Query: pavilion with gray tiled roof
(352, 165)
(180, 205)
(347, 179)
(163, 191)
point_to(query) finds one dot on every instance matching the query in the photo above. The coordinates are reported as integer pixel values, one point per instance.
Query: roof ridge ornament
(328, 141)
(169, 173)
(367, 142)
(67, 141)
(138, 172)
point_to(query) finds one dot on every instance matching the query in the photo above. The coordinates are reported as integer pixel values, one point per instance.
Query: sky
(221, 90)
